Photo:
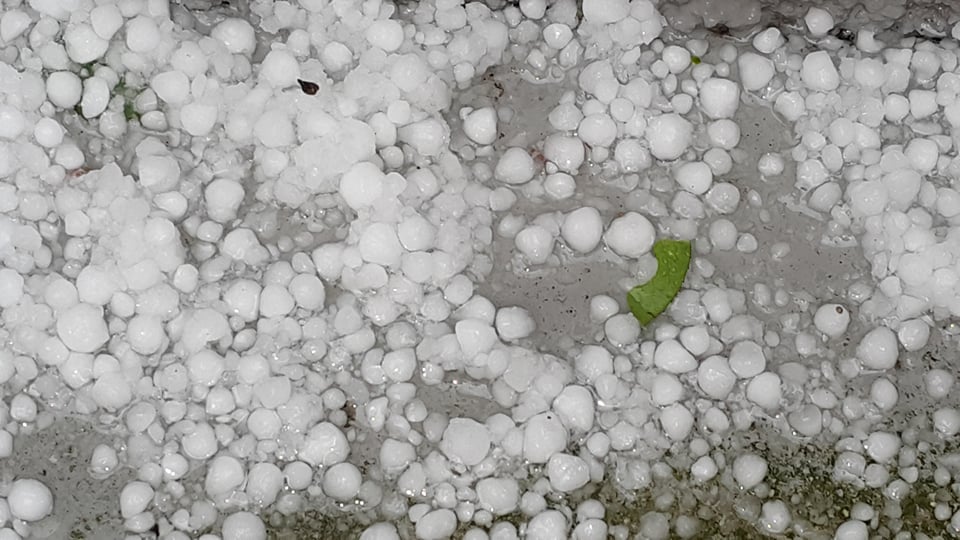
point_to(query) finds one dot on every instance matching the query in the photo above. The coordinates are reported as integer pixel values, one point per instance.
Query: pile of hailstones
(140, 291)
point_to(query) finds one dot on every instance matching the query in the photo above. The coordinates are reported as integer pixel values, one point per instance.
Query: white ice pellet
(29, 499)
(475, 336)
(622, 330)
(386, 34)
(676, 421)
(515, 166)
(747, 359)
(480, 125)
(719, 98)
(832, 319)
(280, 69)
(878, 349)
(106, 20)
(243, 526)
(135, 497)
(764, 390)
(669, 136)
(819, 73)
(882, 446)
(582, 229)
(142, 34)
(938, 383)
(198, 119)
(749, 470)
(630, 235)
(342, 482)
(543, 436)
(96, 97)
(671, 357)
(597, 130)
(756, 71)
(695, 177)
(236, 34)
(819, 21)
(514, 323)
(64, 89)
(536, 243)
(666, 389)
(13, 23)
(768, 40)
(567, 472)
(715, 377)
(852, 530)
(362, 185)
(82, 328)
(324, 444)
(83, 44)
(379, 244)
(575, 407)
(547, 525)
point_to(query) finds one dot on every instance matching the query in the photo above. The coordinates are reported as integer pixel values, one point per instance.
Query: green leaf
(652, 298)
(694, 59)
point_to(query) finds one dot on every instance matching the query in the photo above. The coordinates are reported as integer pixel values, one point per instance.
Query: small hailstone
(543, 436)
(575, 407)
(832, 319)
(882, 446)
(704, 469)
(630, 235)
(280, 69)
(938, 383)
(29, 499)
(676, 421)
(82, 328)
(775, 517)
(567, 473)
(602, 307)
(142, 34)
(669, 136)
(749, 470)
(106, 20)
(946, 421)
(819, 73)
(83, 44)
(671, 357)
(64, 89)
(386, 34)
(515, 166)
(878, 349)
(819, 21)
(747, 359)
(514, 323)
(536, 243)
(243, 526)
(622, 330)
(466, 441)
(480, 126)
(380, 531)
(756, 71)
(852, 530)
(103, 461)
(236, 34)
(362, 185)
(719, 98)
(582, 229)
(695, 177)
(135, 498)
(768, 40)
(807, 420)
(12, 24)
(547, 525)
(764, 390)
(342, 482)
